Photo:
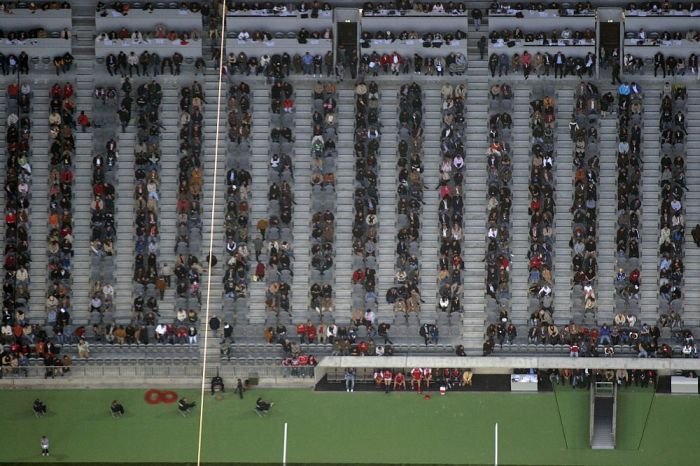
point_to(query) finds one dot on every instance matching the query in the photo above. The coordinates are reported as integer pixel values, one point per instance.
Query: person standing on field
(44, 445)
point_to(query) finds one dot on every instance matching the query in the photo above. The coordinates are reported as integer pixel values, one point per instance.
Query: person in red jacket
(416, 378)
(83, 120)
(310, 332)
(400, 381)
(388, 376)
(301, 333)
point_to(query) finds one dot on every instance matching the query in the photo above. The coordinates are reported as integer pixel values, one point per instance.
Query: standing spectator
(212, 260)
(616, 72)
(83, 348)
(258, 244)
(133, 62)
(228, 331)
(166, 272)
(482, 46)
(239, 389)
(83, 120)
(161, 285)
(262, 227)
(44, 442)
(214, 324)
(696, 235)
(350, 380)
(192, 335)
(476, 16)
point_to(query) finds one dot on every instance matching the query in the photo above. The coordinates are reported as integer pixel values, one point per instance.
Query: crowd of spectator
(671, 65)
(103, 204)
(392, 8)
(542, 64)
(60, 211)
(451, 191)
(583, 129)
(18, 182)
(144, 63)
(405, 294)
(365, 224)
(542, 186)
(324, 156)
(280, 65)
(146, 233)
(33, 7)
(123, 8)
(280, 196)
(673, 131)
(125, 36)
(565, 37)
(302, 36)
(303, 10)
(500, 200)
(418, 379)
(629, 201)
(583, 378)
(454, 63)
(561, 9)
(665, 8)
(643, 37)
(426, 39)
(238, 180)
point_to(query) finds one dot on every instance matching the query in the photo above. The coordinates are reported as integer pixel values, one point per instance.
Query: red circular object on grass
(154, 397)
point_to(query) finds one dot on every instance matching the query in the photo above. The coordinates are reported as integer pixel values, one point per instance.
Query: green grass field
(338, 427)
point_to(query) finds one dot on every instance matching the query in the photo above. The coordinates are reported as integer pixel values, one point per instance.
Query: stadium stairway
(691, 312)
(344, 189)
(301, 161)
(607, 216)
(210, 164)
(650, 204)
(388, 96)
(562, 215)
(520, 219)
(124, 247)
(260, 133)
(476, 116)
(429, 240)
(39, 199)
(82, 193)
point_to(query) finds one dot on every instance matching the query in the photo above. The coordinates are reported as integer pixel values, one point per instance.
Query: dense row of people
(426, 39)
(672, 65)
(500, 200)
(303, 9)
(280, 196)
(454, 63)
(517, 9)
(280, 65)
(406, 6)
(542, 186)
(60, 213)
(123, 8)
(238, 180)
(324, 156)
(302, 36)
(629, 197)
(664, 8)
(542, 64)
(18, 182)
(188, 241)
(146, 234)
(673, 131)
(365, 223)
(409, 190)
(451, 191)
(126, 36)
(144, 63)
(584, 131)
(104, 202)
(553, 37)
